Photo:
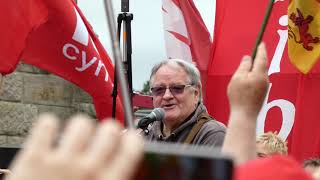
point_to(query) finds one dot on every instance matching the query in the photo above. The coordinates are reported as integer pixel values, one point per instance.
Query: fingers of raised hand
(249, 84)
(105, 144)
(244, 67)
(76, 136)
(259, 75)
(81, 153)
(126, 158)
(42, 135)
(260, 64)
(256, 75)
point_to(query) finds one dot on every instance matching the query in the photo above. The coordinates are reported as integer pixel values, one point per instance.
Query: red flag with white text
(67, 46)
(291, 106)
(186, 35)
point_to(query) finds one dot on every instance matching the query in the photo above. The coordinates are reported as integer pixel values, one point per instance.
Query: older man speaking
(176, 87)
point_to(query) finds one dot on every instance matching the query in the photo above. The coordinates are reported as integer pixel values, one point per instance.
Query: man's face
(177, 106)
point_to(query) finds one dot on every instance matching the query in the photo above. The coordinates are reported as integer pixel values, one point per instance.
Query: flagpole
(118, 63)
(262, 29)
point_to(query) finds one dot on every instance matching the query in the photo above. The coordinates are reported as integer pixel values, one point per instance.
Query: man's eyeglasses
(174, 89)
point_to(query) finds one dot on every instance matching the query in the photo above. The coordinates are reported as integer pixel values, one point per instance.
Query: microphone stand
(127, 51)
(126, 99)
(127, 44)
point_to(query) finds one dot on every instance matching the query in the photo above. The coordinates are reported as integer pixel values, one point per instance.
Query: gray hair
(191, 70)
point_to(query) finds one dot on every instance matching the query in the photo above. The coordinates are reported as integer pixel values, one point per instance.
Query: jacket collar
(158, 125)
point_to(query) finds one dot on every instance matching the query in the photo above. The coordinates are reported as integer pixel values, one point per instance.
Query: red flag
(292, 101)
(67, 46)
(186, 35)
(18, 18)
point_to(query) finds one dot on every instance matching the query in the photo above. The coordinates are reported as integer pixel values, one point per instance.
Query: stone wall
(28, 92)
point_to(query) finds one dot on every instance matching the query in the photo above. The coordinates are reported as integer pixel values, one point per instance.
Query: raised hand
(249, 84)
(83, 153)
(246, 92)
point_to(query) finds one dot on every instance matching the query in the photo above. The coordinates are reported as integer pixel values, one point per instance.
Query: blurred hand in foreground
(84, 152)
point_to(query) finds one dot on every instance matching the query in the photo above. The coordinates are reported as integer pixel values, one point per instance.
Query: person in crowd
(312, 165)
(269, 144)
(83, 153)
(176, 87)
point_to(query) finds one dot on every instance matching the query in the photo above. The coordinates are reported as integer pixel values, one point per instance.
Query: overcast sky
(147, 31)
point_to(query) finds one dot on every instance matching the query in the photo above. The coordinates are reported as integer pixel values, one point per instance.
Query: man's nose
(167, 94)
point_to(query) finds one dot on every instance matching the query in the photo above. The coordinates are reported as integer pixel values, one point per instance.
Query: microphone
(157, 114)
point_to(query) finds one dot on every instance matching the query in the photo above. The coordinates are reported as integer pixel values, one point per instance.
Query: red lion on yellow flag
(304, 34)
(303, 25)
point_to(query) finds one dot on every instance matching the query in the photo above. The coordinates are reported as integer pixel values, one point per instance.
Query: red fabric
(198, 38)
(236, 29)
(275, 168)
(198, 32)
(199, 35)
(18, 18)
(78, 59)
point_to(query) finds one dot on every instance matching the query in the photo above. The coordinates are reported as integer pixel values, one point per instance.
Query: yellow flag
(304, 33)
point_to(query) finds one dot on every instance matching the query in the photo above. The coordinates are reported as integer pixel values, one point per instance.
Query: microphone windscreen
(159, 113)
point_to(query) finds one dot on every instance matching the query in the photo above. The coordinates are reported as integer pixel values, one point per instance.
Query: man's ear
(197, 91)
